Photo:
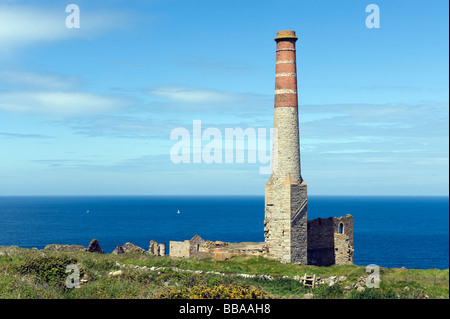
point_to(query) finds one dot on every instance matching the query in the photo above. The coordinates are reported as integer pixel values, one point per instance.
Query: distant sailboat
(178, 211)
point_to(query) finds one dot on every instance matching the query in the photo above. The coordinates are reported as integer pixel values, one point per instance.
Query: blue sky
(89, 111)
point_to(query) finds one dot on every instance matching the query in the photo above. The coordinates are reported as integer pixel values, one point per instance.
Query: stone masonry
(330, 241)
(289, 236)
(285, 192)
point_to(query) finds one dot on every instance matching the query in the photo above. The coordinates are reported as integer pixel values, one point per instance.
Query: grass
(37, 274)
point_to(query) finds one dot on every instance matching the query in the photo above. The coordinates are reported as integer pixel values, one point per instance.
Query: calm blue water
(388, 231)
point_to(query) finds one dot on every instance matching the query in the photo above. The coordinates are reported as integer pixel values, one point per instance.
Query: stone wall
(330, 241)
(187, 248)
(222, 251)
(299, 234)
(343, 240)
(179, 249)
(286, 220)
(321, 242)
(194, 245)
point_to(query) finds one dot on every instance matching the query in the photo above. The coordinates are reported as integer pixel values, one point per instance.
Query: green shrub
(372, 293)
(286, 287)
(47, 269)
(233, 291)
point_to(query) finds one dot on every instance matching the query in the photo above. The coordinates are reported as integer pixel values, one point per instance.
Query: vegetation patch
(233, 291)
(31, 273)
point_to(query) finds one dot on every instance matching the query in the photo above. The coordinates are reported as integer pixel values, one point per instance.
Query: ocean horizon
(389, 231)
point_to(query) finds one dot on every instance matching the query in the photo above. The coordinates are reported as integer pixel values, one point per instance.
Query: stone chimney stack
(286, 108)
(285, 193)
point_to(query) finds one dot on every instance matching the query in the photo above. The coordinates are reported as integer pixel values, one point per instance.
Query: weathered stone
(330, 281)
(221, 255)
(308, 296)
(219, 243)
(59, 247)
(130, 248)
(188, 248)
(153, 248)
(118, 251)
(162, 249)
(289, 236)
(94, 247)
(361, 282)
(116, 273)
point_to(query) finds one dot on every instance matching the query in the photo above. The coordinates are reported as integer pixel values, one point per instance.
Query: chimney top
(285, 34)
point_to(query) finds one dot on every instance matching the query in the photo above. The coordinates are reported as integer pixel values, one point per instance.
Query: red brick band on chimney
(286, 70)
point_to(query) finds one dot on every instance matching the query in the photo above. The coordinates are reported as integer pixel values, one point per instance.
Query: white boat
(178, 211)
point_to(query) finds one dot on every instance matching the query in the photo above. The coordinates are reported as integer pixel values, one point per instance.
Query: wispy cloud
(60, 103)
(49, 93)
(37, 80)
(22, 25)
(27, 136)
(189, 94)
(210, 102)
(375, 137)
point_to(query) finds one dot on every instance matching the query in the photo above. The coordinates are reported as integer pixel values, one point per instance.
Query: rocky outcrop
(127, 248)
(70, 248)
(130, 248)
(119, 250)
(94, 247)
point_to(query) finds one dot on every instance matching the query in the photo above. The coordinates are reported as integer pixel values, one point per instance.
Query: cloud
(53, 94)
(19, 25)
(19, 135)
(375, 137)
(22, 25)
(48, 93)
(189, 94)
(211, 103)
(60, 103)
(26, 79)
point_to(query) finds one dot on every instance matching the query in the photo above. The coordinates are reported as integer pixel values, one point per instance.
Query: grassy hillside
(27, 273)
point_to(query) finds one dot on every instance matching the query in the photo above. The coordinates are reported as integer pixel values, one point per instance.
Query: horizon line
(205, 195)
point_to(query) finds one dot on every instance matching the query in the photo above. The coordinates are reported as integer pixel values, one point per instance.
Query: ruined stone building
(289, 236)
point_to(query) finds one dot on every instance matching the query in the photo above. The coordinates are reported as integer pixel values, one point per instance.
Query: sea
(390, 231)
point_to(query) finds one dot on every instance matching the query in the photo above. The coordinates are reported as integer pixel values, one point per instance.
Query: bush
(372, 293)
(286, 287)
(233, 291)
(47, 269)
